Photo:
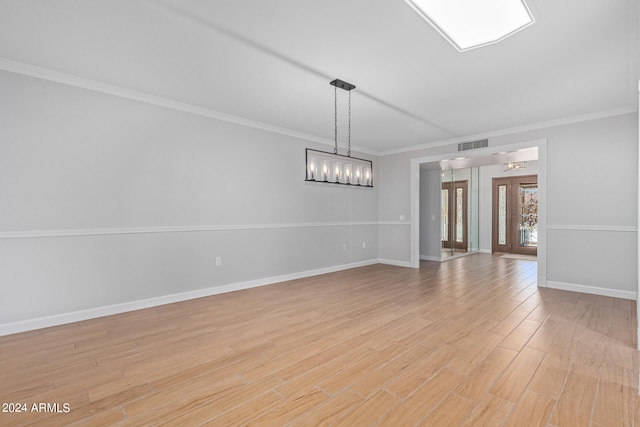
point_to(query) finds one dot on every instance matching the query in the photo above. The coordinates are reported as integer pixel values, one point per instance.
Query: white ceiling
(271, 62)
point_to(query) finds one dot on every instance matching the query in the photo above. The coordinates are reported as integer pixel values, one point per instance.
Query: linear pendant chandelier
(334, 168)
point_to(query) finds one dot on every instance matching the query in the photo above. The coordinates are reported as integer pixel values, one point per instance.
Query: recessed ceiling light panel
(469, 24)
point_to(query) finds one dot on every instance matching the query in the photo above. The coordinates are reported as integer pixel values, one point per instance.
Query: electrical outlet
(218, 261)
(344, 246)
(402, 217)
(364, 245)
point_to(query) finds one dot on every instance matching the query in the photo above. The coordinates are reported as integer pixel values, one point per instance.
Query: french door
(515, 215)
(454, 215)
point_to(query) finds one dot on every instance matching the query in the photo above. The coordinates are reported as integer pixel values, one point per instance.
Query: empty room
(341, 213)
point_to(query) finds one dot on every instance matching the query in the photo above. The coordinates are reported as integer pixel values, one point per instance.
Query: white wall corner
(542, 282)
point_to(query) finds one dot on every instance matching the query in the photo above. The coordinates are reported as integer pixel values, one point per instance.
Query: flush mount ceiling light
(469, 24)
(334, 168)
(513, 166)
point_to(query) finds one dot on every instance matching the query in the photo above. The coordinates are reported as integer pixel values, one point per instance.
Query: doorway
(515, 215)
(492, 155)
(454, 215)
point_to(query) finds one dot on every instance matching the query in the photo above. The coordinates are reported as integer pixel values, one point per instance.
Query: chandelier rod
(337, 83)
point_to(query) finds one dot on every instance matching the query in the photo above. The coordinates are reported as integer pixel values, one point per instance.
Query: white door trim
(541, 144)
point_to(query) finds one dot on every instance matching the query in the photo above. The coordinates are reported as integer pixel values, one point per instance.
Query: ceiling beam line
(265, 49)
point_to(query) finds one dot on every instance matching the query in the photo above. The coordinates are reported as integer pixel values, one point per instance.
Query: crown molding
(95, 86)
(514, 130)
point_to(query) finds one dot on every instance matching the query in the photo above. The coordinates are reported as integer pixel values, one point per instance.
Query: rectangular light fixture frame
(333, 168)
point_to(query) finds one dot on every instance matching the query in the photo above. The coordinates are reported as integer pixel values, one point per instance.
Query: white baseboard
(616, 293)
(485, 251)
(394, 262)
(430, 258)
(77, 316)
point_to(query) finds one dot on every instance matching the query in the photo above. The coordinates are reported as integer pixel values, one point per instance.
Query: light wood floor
(468, 342)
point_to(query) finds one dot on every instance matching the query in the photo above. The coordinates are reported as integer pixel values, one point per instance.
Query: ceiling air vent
(472, 145)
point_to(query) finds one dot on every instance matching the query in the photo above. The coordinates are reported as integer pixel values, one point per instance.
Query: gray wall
(592, 199)
(104, 201)
(430, 234)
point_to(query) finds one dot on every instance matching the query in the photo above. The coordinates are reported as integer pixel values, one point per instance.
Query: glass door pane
(528, 215)
(514, 215)
(445, 215)
(460, 215)
(502, 214)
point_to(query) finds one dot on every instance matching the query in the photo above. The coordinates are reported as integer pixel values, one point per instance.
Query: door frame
(512, 200)
(452, 187)
(414, 222)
